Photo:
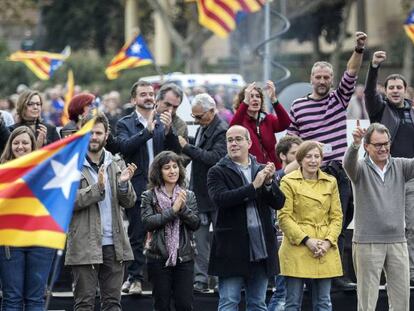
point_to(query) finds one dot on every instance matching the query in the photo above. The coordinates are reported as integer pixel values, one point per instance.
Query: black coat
(210, 149)
(230, 251)
(51, 136)
(131, 141)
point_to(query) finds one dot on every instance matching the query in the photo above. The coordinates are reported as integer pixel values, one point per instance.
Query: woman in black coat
(29, 110)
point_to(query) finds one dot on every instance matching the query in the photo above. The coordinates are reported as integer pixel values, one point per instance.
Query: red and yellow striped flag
(38, 191)
(70, 89)
(42, 64)
(220, 15)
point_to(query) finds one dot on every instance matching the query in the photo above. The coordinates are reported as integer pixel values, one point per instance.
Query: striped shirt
(324, 120)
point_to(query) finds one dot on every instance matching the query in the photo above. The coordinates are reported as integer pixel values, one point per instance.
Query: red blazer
(263, 136)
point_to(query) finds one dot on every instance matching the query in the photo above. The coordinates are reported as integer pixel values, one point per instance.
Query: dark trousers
(202, 238)
(171, 283)
(335, 169)
(109, 275)
(136, 234)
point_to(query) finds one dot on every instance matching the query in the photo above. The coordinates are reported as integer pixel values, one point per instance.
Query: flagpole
(59, 254)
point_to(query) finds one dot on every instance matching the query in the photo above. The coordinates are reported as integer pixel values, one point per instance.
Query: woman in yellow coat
(311, 221)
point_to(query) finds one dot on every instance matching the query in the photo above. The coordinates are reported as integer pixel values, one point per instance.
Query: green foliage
(325, 20)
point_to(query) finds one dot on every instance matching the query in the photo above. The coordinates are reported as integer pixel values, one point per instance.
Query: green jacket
(84, 243)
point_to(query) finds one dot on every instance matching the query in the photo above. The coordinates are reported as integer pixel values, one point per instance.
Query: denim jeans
(321, 294)
(278, 300)
(255, 286)
(24, 272)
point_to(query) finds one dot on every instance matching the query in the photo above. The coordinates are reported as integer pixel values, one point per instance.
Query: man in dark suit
(141, 136)
(243, 251)
(205, 150)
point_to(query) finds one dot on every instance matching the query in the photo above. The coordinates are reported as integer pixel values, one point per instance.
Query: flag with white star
(43, 64)
(134, 53)
(409, 25)
(38, 192)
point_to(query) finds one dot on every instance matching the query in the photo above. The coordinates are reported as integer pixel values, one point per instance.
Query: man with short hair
(98, 245)
(321, 116)
(141, 136)
(243, 252)
(396, 113)
(379, 241)
(205, 150)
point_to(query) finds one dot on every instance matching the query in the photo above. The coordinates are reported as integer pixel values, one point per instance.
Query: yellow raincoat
(312, 208)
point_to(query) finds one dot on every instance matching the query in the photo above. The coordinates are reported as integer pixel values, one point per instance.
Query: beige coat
(312, 208)
(84, 244)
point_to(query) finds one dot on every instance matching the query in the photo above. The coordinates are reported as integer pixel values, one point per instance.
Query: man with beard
(321, 116)
(396, 113)
(98, 245)
(141, 136)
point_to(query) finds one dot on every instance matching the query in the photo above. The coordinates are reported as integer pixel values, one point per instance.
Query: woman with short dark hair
(170, 216)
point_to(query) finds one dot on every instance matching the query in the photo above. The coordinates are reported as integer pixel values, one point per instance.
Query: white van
(229, 84)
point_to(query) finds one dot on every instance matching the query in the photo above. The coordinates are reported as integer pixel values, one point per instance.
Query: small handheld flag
(38, 191)
(134, 53)
(70, 89)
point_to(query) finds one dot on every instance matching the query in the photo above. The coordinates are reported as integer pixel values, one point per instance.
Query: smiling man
(243, 251)
(396, 113)
(379, 241)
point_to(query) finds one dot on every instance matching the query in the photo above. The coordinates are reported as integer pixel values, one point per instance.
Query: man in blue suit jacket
(141, 136)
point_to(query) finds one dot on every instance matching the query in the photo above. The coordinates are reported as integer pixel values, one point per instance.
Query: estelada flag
(43, 64)
(409, 25)
(38, 192)
(134, 53)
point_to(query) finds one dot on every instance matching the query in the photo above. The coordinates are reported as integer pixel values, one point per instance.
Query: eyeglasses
(30, 104)
(199, 116)
(378, 146)
(238, 140)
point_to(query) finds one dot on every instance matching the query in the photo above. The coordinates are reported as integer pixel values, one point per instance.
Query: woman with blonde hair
(29, 110)
(311, 221)
(24, 271)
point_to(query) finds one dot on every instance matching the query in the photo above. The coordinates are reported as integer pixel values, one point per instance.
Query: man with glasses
(396, 113)
(243, 251)
(205, 149)
(379, 241)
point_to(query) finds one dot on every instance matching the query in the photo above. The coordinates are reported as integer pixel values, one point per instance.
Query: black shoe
(200, 287)
(341, 284)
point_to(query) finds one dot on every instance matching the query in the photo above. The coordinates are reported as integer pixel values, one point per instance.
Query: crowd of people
(277, 210)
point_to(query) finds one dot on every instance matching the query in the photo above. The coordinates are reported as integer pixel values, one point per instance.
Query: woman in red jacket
(261, 125)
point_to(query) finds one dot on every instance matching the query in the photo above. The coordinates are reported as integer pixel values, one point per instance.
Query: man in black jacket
(243, 252)
(396, 113)
(205, 150)
(141, 136)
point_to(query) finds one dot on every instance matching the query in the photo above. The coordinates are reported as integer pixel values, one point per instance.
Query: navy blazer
(132, 139)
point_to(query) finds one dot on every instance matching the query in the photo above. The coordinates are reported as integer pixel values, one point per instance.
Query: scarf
(172, 229)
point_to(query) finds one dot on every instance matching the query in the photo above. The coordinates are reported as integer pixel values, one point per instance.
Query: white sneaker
(125, 287)
(135, 288)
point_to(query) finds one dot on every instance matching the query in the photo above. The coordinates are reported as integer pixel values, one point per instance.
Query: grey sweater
(379, 206)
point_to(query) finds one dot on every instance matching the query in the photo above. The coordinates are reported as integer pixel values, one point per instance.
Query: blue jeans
(24, 272)
(321, 294)
(278, 300)
(255, 288)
